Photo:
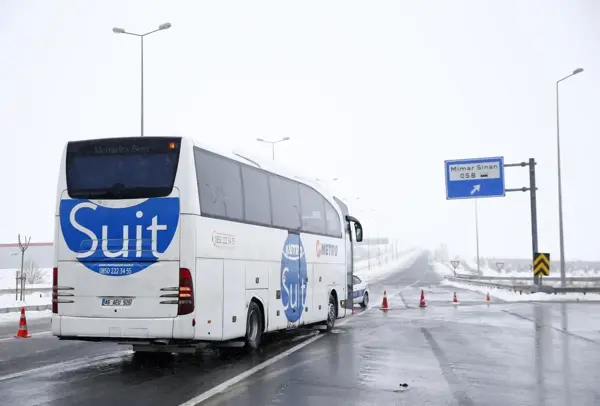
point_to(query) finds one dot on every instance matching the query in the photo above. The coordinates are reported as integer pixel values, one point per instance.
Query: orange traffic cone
(22, 332)
(487, 298)
(455, 299)
(384, 303)
(422, 301)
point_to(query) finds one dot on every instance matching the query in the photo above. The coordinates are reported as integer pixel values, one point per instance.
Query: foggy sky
(377, 94)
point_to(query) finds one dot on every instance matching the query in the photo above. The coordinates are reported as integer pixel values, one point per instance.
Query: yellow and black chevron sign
(541, 263)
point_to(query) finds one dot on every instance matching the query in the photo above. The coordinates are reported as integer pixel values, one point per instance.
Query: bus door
(348, 304)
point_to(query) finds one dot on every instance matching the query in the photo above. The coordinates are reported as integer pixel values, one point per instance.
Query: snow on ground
(29, 315)
(388, 265)
(7, 279)
(488, 268)
(510, 296)
(485, 271)
(443, 269)
(31, 299)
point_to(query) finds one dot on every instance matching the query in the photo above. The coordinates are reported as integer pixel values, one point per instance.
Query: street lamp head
(578, 70)
(117, 30)
(286, 138)
(260, 139)
(164, 26)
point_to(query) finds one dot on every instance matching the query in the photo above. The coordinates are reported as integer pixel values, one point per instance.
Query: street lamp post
(273, 144)
(161, 27)
(560, 210)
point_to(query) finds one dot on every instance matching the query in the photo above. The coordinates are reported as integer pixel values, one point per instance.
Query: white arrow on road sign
(476, 188)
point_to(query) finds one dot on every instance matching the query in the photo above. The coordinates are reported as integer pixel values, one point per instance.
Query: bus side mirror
(358, 231)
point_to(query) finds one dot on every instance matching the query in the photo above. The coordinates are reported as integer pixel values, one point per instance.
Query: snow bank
(443, 269)
(7, 279)
(404, 260)
(31, 299)
(510, 296)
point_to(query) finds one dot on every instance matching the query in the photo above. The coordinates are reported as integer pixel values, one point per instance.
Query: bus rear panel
(118, 271)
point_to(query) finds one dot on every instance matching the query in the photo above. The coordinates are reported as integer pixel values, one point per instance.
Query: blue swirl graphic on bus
(293, 278)
(119, 241)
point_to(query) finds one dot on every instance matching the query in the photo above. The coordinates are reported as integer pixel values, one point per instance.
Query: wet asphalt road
(470, 354)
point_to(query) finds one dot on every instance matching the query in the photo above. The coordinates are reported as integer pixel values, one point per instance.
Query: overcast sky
(377, 94)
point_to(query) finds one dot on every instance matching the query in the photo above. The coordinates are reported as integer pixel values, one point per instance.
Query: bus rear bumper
(114, 329)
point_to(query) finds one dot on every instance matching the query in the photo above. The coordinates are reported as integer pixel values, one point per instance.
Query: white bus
(166, 245)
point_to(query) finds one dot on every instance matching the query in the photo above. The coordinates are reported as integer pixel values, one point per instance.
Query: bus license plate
(116, 301)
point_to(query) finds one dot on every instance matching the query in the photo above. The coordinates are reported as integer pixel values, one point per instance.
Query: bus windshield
(122, 168)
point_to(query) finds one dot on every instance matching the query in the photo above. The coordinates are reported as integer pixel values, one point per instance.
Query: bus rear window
(122, 168)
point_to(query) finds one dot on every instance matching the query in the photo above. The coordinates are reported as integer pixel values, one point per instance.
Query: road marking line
(33, 334)
(220, 388)
(238, 378)
(70, 365)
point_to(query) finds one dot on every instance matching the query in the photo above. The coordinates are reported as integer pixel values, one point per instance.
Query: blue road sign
(475, 178)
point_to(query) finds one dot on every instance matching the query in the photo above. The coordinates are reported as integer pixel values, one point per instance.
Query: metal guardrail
(26, 290)
(526, 278)
(527, 288)
(27, 308)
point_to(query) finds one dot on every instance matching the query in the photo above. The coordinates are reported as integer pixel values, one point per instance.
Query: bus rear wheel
(254, 326)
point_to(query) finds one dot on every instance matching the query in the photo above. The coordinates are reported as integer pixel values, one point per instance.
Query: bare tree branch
(33, 274)
(23, 246)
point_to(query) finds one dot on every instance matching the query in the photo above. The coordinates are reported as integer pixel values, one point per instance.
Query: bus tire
(254, 326)
(331, 313)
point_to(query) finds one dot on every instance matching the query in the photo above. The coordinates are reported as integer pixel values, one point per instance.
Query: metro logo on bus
(133, 236)
(326, 249)
(293, 278)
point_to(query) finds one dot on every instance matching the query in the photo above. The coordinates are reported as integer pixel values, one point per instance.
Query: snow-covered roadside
(7, 279)
(378, 272)
(31, 299)
(510, 296)
(442, 269)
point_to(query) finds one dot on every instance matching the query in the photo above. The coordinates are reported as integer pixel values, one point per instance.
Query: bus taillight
(186, 292)
(55, 290)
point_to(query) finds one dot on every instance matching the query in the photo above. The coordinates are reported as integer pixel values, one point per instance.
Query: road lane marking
(238, 378)
(458, 388)
(32, 334)
(71, 364)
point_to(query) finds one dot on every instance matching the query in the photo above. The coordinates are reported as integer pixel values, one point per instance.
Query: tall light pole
(563, 281)
(161, 27)
(273, 144)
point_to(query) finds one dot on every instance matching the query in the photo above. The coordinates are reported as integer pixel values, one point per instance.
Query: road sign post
(484, 177)
(533, 203)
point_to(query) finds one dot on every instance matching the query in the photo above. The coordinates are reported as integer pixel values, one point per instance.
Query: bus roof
(267, 165)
